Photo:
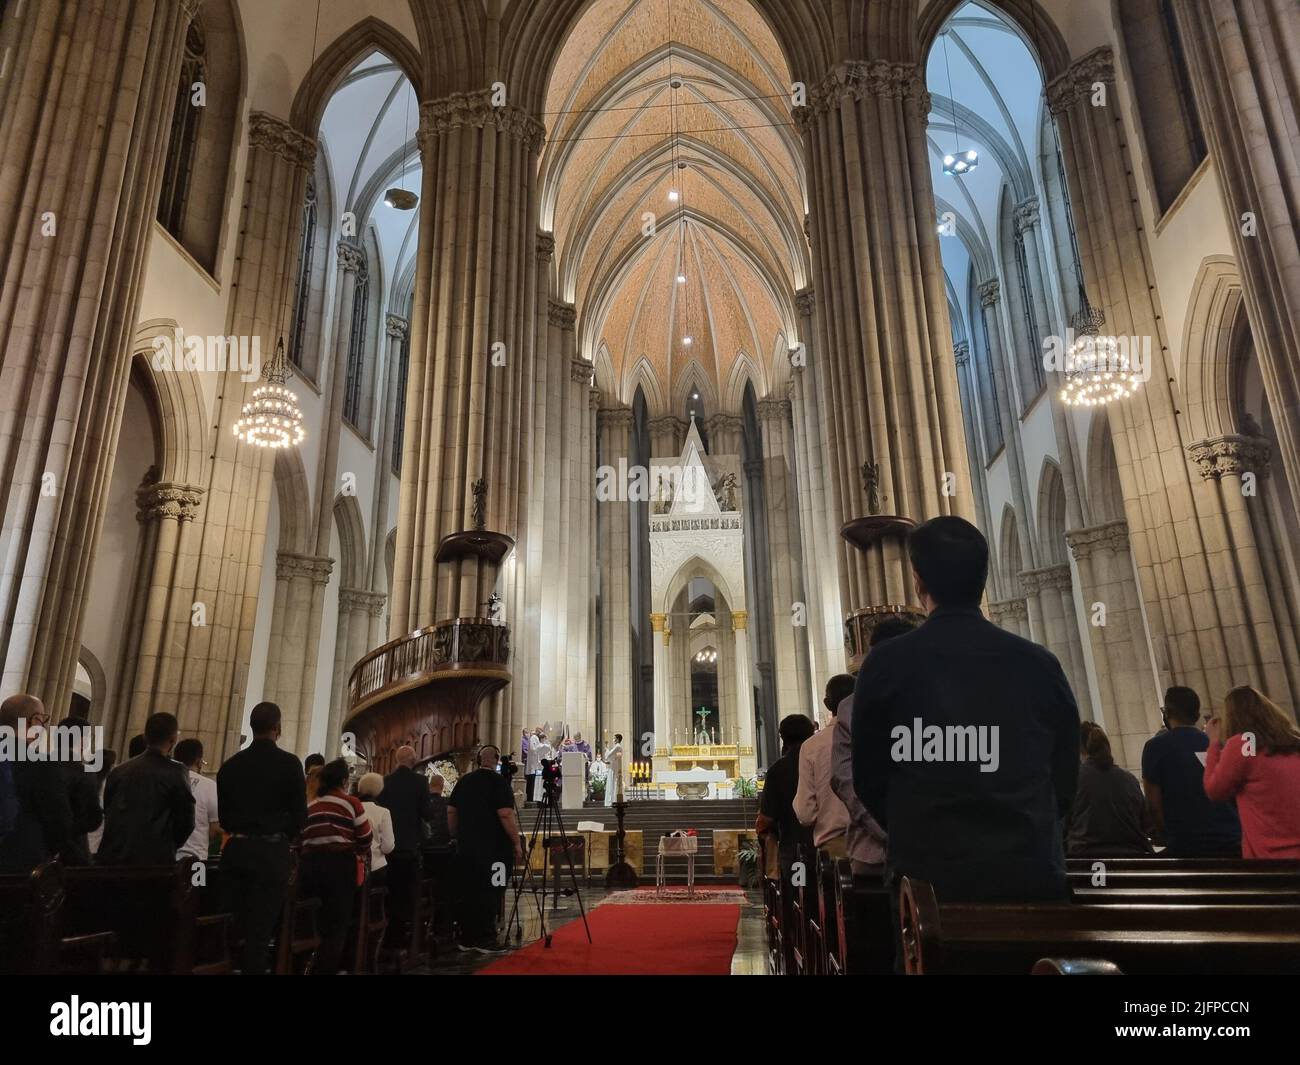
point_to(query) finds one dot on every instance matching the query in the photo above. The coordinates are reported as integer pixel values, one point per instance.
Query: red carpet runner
(676, 939)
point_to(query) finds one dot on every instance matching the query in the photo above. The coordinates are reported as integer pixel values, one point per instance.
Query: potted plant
(747, 787)
(747, 859)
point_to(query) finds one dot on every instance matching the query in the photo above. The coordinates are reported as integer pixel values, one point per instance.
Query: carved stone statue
(479, 488)
(871, 485)
(727, 488)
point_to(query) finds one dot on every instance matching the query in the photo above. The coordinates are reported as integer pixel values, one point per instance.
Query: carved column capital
(1078, 80)
(804, 301)
(1033, 581)
(475, 109)
(1230, 455)
(545, 247)
(860, 79)
(593, 399)
(581, 371)
(372, 603)
(1026, 214)
(397, 327)
(1009, 609)
(657, 622)
(773, 409)
(276, 136)
(351, 257)
(723, 423)
(961, 352)
(614, 418)
(177, 502)
(1109, 536)
(561, 314)
(290, 566)
(990, 292)
(666, 423)
(740, 620)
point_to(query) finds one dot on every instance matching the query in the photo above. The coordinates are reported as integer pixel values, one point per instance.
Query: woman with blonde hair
(1258, 765)
(382, 839)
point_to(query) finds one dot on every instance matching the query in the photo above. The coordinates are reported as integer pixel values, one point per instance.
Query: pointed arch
(294, 501)
(341, 55)
(352, 542)
(1211, 340)
(642, 375)
(606, 379)
(1051, 515)
(1027, 17)
(1010, 560)
(178, 395)
(1105, 495)
(693, 567)
(744, 371)
(694, 378)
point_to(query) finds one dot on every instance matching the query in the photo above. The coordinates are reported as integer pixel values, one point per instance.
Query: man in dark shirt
(1172, 775)
(148, 804)
(776, 805)
(262, 799)
(83, 797)
(966, 738)
(481, 817)
(405, 796)
(43, 824)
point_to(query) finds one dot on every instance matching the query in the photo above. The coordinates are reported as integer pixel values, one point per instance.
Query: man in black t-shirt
(481, 818)
(1172, 774)
(776, 805)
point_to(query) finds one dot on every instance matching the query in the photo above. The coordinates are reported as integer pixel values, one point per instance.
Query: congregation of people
(999, 828)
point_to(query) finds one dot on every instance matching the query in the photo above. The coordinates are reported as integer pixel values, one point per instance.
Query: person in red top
(336, 837)
(1259, 766)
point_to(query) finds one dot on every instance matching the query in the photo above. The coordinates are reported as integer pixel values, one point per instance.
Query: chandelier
(960, 161)
(1097, 370)
(272, 418)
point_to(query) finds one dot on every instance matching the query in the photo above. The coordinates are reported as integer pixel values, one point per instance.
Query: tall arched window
(399, 406)
(183, 143)
(302, 298)
(357, 345)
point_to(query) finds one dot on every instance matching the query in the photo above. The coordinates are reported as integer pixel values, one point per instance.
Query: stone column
(725, 432)
(1194, 608)
(666, 436)
(613, 518)
(1050, 594)
(397, 329)
(358, 609)
(85, 113)
(1130, 696)
(166, 514)
(1010, 614)
(1242, 60)
(663, 741)
(472, 372)
(744, 695)
(578, 418)
(790, 641)
(301, 581)
(974, 443)
(882, 326)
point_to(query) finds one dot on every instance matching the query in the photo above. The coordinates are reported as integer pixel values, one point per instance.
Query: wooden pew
(31, 928)
(864, 922)
(153, 912)
(298, 938)
(1141, 938)
(1190, 880)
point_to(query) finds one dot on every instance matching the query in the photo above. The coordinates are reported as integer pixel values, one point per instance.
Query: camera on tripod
(507, 767)
(551, 776)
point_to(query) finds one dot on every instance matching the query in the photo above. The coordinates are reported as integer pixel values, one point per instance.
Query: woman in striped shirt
(334, 846)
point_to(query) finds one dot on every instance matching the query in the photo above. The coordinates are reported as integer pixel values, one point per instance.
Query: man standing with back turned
(262, 799)
(966, 738)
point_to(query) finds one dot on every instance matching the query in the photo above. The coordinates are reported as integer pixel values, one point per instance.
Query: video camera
(507, 767)
(551, 775)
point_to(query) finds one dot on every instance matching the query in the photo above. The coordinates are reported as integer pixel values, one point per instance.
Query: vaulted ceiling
(670, 153)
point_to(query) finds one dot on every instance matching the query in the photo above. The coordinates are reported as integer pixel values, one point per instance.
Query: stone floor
(750, 958)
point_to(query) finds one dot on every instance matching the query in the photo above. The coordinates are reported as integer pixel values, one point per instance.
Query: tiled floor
(750, 958)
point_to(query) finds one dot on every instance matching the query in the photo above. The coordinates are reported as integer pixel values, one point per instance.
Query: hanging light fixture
(962, 160)
(272, 418)
(1097, 371)
(400, 198)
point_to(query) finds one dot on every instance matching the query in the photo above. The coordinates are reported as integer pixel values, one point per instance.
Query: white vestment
(614, 783)
(543, 750)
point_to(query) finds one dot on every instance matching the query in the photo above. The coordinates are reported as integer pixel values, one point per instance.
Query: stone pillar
(663, 740)
(301, 581)
(474, 337)
(882, 327)
(85, 115)
(667, 434)
(581, 477)
(158, 612)
(1050, 594)
(1196, 610)
(789, 640)
(744, 695)
(358, 609)
(1010, 614)
(1130, 696)
(725, 432)
(397, 329)
(1242, 60)
(613, 518)
(974, 444)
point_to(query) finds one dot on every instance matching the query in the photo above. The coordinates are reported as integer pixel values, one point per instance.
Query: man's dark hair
(333, 776)
(794, 729)
(312, 760)
(74, 721)
(838, 688)
(136, 746)
(188, 752)
(264, 718)
(1182, 705)
(889, 628)
(618, 737)
(952, 558)
(160, 728)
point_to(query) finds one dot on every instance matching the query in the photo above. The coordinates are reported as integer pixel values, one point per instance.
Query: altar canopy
(697, 590)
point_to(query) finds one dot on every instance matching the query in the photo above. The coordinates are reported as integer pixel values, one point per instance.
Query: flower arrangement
(445, 769)
(746, 787)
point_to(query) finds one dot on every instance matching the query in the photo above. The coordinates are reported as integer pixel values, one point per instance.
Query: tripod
(548, 821)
